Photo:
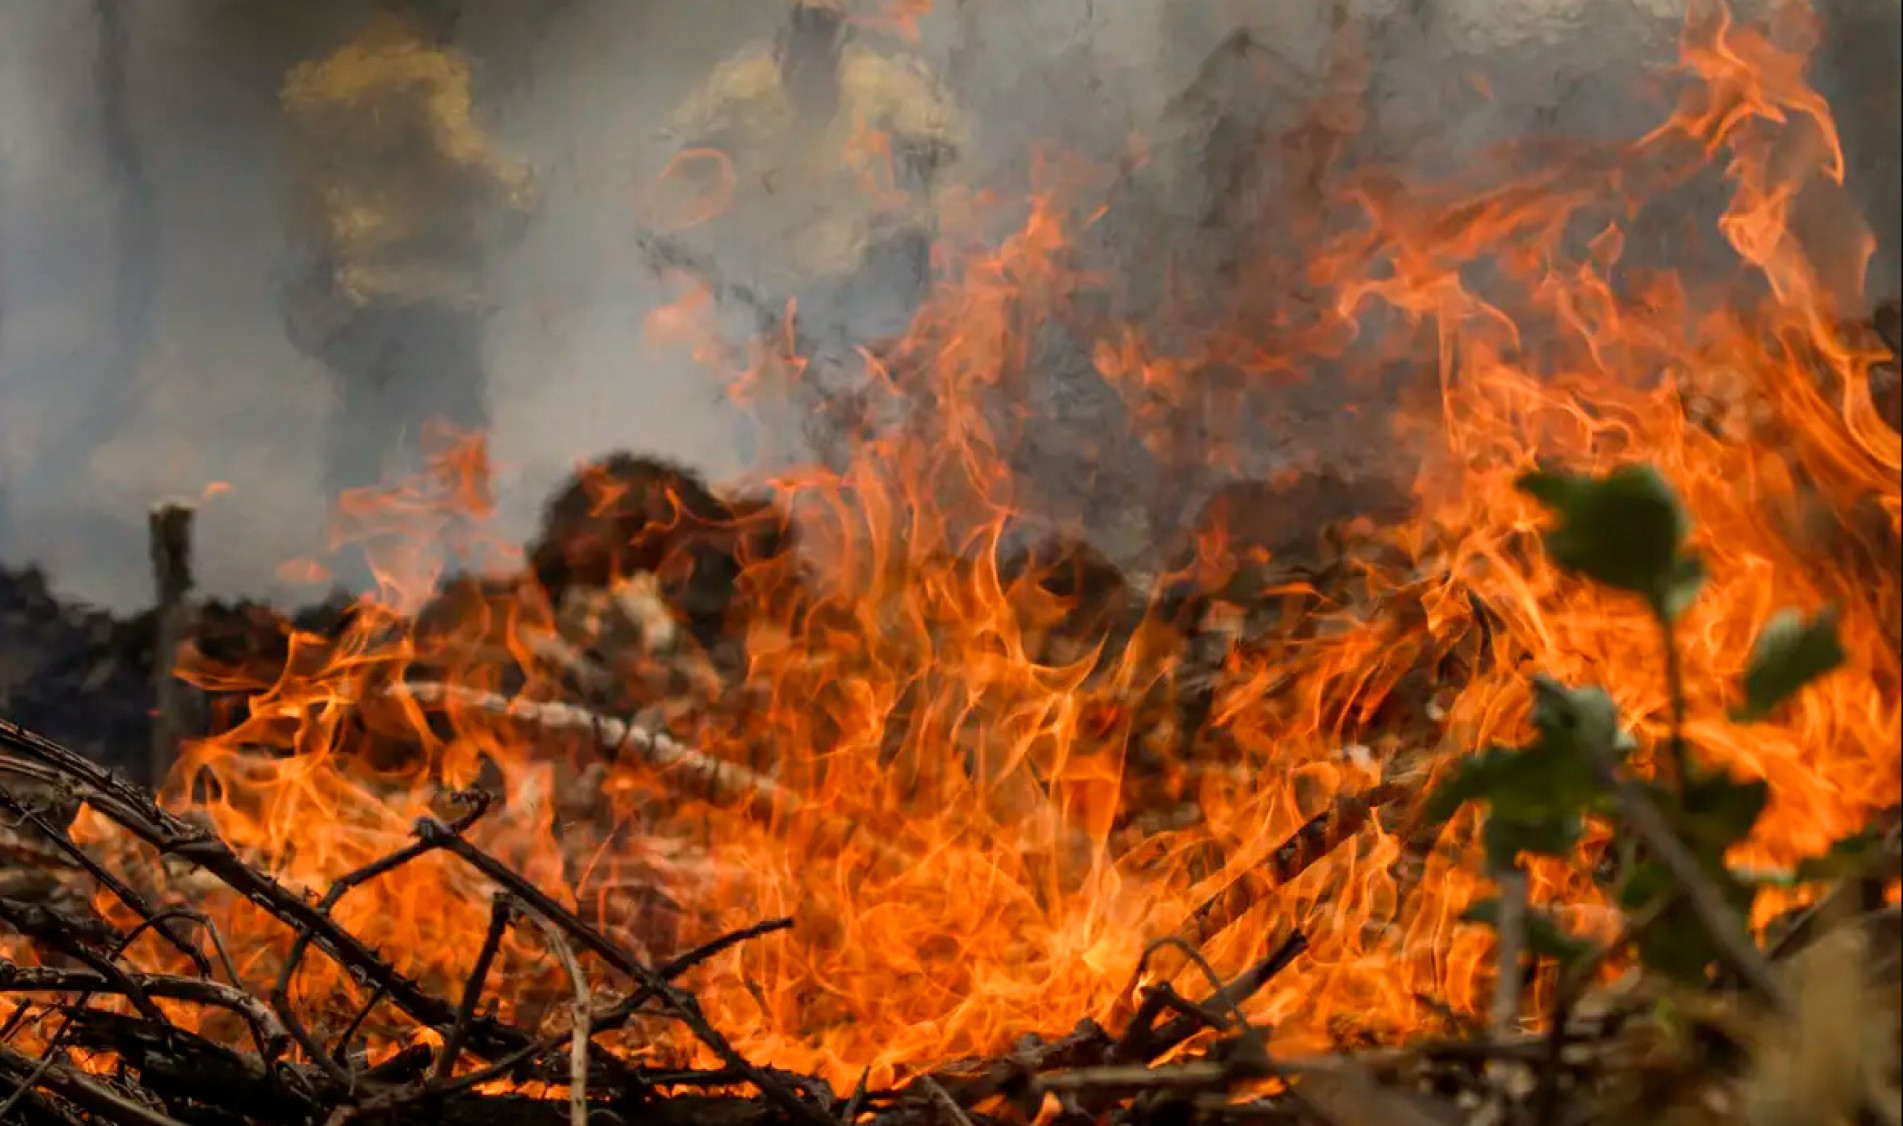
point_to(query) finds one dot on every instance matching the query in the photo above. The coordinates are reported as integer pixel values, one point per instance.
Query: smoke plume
(143, 239)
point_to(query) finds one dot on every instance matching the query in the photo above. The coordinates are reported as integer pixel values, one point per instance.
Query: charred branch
(135, 811)
(171, 532)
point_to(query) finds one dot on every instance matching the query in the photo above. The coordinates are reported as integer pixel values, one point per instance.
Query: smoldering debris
(75, 670)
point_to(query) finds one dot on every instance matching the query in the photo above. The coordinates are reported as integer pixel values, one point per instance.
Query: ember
(888, 795)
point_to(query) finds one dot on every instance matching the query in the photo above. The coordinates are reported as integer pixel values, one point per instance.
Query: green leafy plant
(1539, 796)
(1789, 654)
(1628, 531)
(1851, 856)
(1713, 813)
(1544, 936)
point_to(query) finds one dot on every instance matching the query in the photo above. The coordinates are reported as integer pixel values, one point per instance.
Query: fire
(955, 817)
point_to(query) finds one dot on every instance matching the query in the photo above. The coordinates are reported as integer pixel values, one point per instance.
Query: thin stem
(579, 1031)
(1505, 1016)
(1724, 925)
(342, 1048)
(1573, 981)
(1675, 749)
(499, 914)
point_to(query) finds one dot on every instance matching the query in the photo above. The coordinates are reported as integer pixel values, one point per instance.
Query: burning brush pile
(1550, 776)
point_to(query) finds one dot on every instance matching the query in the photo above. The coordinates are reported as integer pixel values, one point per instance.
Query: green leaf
(1644, 882)
(1474, 778)
(1688, 578)
(1532, 807)
(1848, 857)
(1579, 725)
(1526, 785)
(1625, 530)
(1544, 936)
(1760, 878)
(1677, 944)
(1789, 654)
(1717, 812)
(1540, 796)
(1551, 833)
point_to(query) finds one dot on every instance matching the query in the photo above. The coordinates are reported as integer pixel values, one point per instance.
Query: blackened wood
(134, 810)
(170, 525)
(200, 1081)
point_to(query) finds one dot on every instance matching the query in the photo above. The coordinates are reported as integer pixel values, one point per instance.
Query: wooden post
(170, 525)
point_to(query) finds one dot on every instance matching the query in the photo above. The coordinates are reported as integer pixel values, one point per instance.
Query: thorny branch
(682, 1005)
(274, 1022)
(198, 991)
(280, 992)
(80, 1089)
(134, 810)
(342, 1092)
(499, 915)
(119, 888)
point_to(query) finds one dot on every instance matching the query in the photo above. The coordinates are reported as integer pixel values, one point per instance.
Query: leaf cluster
(1539, 796)
(1627, 530)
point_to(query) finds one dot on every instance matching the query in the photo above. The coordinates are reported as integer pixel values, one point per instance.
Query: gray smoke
(89, 441)
(90, 436)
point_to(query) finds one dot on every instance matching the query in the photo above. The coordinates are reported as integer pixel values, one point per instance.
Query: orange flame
(957, 819)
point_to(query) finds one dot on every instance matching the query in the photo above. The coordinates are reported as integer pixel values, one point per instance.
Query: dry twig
(45, 979)
(579, 1033)
(499, 914)
(135, 811)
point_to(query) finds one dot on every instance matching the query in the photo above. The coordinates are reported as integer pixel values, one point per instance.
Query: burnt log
(198, 1081)
(171, 532)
